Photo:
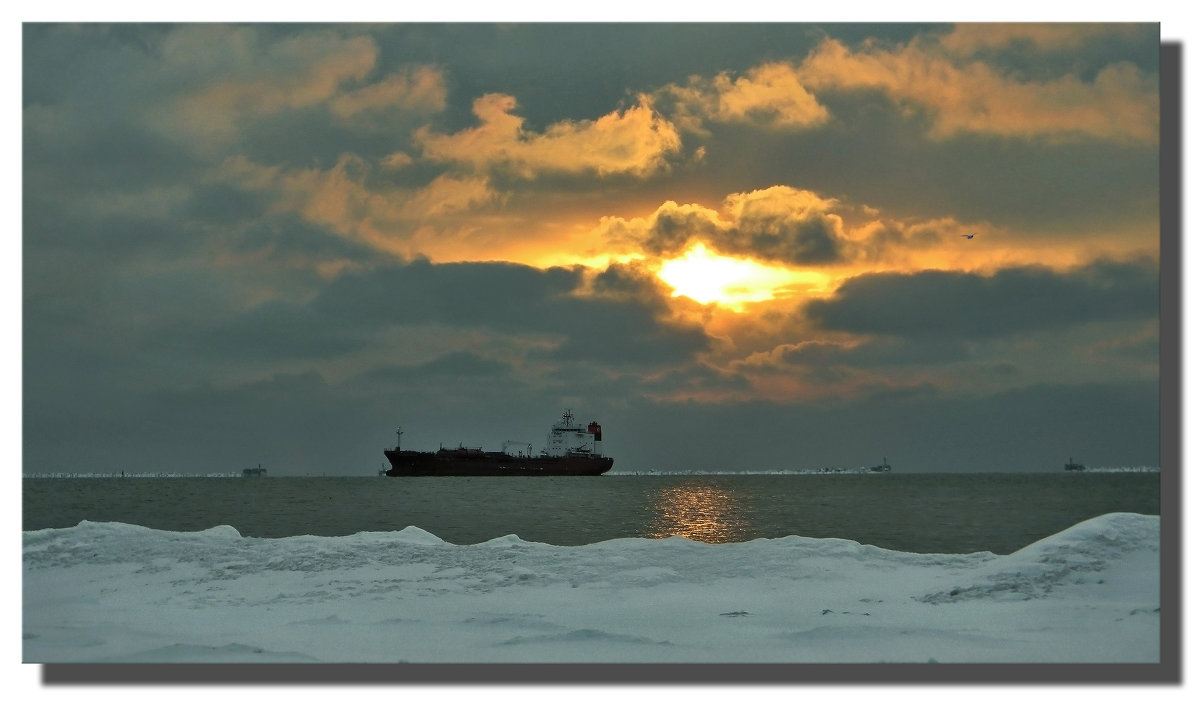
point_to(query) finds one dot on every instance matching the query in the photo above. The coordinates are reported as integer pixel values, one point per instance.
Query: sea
(910, 512)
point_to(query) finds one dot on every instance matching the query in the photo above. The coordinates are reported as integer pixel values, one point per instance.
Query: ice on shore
(110, 592)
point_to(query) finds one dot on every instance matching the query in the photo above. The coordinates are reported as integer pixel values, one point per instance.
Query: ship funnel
(594, 429)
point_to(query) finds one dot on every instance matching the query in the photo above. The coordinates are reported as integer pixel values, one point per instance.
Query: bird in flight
(969, 236)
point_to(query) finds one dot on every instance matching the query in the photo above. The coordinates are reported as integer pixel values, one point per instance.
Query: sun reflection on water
(698, 512)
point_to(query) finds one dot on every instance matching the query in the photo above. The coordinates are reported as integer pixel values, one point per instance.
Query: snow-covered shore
(108, 592)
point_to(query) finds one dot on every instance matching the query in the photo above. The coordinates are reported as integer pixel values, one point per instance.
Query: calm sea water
(918, 513)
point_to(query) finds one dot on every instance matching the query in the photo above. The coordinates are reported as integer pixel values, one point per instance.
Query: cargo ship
(571, 449)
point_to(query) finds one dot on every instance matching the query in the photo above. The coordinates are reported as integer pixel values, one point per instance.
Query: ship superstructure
(568, 438)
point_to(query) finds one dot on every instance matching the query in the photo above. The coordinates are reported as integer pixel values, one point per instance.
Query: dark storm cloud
(954, 305)
(292, 248)
(621, 335)
(173, 272)
(498, 297)
(630, 281)
(809, 239)
(280, 330)
(635, 284)
(672, 229)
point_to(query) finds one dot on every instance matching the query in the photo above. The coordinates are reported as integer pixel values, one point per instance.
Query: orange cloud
(396, 160)
(770, 94)
(634, 141)
(253, 78)
(230, 77)
(346, 200)
(827, 240)
(417, 89)
(1120, 103)
(334, 197)
(777, 202)
(448, 194)
(779, 223)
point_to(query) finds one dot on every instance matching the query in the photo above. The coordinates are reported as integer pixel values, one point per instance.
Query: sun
(708, 278)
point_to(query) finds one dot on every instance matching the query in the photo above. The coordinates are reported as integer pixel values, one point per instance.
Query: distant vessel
(881, 468)
(254, 472)
(571, 449)
(1072, 466)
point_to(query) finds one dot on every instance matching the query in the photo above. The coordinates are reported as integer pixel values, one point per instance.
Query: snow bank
(109, 592)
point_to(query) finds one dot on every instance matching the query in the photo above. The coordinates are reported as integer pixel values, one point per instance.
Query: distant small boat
(1072, 466)
(254, 472)
(881, 468)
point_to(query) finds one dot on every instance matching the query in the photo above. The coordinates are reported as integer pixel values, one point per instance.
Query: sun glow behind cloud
(706, 277)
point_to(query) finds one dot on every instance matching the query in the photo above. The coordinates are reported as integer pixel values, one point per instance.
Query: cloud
(419, 89)
(667, 232)
(770, 95)
(217, 219)
(779, 223)
(396, 160)
(939, 76)
(878, 236)
(111, 106)
(352, 200)
(782, 224)
(970, 37)
(206, 86)
(700, 384)
(236, 74)
(1139, 347)
(630, 281)
(961, 305)
(449, 194)
(1120, 103)
(456, 364)
(337, 197)
(844, 369)
(357, 309)
(823, 354)
(636, 141)
(785, 224)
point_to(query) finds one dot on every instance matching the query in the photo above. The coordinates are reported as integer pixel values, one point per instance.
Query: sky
(737, 246)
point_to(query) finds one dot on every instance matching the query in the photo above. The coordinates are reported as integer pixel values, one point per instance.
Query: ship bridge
(568, 437)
